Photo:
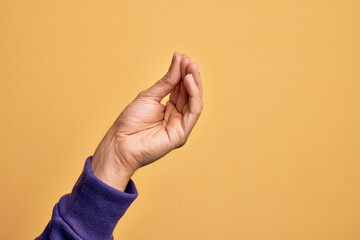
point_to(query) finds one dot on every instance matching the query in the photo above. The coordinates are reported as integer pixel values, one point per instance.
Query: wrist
(107, 167)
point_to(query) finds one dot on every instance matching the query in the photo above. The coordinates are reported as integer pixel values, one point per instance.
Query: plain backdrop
(274, 155)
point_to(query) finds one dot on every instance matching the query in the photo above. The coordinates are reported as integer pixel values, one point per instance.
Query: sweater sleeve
(90, 211)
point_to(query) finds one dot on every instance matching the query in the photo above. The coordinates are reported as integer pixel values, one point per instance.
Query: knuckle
(181, 145)
(166, 79)
(182, 142)
(197, 114)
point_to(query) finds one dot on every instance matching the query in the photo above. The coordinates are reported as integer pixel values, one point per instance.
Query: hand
(146, 130)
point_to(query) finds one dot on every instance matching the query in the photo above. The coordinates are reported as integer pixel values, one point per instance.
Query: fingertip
(176, 57)
(189, 76)
(193, 67)
(175, 62)
(185, 62)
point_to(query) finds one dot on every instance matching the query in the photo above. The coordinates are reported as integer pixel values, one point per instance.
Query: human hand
(146, 130)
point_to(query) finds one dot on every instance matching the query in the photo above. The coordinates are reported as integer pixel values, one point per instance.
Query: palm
(147, 130)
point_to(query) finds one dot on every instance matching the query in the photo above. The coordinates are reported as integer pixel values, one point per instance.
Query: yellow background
(276, 151)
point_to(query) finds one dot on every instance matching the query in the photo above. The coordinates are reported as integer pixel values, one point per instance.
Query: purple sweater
(90, 211)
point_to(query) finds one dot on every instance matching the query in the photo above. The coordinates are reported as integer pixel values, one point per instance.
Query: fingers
(185, 60)
(183, 95)
(193, 84)
(175, 94)
(193, 68)
(187, 98)
(195, 101)
(167, 83)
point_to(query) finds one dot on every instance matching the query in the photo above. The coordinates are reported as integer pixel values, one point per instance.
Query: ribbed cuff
(93, 208)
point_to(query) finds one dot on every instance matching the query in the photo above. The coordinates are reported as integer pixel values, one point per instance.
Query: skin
(147, 130)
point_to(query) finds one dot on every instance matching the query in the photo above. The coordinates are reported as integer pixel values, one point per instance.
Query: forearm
(91, 210)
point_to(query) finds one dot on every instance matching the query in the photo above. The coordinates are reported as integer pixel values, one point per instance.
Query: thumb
(167, 83)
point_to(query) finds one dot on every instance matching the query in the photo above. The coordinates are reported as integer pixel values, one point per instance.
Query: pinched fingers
(183, 95)
(167, 83)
